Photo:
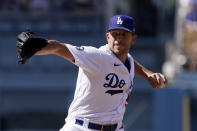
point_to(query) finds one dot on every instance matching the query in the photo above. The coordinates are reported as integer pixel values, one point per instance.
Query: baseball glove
(27, 45)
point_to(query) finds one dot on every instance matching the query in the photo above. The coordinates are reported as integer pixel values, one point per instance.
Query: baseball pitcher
(105, 77)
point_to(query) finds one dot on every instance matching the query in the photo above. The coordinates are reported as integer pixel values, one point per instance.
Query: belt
(98, 126)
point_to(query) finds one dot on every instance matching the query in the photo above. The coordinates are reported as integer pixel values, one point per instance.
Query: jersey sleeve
(86, 57)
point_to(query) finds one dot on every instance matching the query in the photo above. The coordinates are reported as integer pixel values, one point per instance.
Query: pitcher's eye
(114, 34)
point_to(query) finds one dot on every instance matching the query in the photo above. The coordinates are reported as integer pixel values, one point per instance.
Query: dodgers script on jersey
(101, 100)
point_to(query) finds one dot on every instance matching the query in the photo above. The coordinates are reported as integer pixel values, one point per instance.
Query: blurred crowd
(190, 35)
(50, 6)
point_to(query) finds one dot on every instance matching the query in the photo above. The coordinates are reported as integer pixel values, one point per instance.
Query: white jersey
(103, 85)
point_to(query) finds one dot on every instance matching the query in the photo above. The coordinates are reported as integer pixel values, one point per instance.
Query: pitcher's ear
(107, 35)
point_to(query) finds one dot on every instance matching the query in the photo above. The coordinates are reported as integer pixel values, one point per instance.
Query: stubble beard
(120, 53)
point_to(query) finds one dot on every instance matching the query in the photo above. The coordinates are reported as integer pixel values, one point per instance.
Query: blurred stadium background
(35, 97)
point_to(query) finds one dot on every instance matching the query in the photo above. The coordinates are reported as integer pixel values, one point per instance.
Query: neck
(121, 57)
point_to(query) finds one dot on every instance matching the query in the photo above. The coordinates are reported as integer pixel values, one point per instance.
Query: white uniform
(103, 86)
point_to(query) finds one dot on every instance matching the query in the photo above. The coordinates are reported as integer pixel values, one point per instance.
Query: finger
(164, 79)
(161, 79)
(157, 78)
(153, 80)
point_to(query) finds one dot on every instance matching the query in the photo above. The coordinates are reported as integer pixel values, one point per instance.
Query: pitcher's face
(120, 41)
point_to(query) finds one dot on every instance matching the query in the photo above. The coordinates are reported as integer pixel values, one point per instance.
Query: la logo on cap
(119, 21)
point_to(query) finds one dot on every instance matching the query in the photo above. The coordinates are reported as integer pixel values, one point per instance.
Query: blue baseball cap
(123, 22)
